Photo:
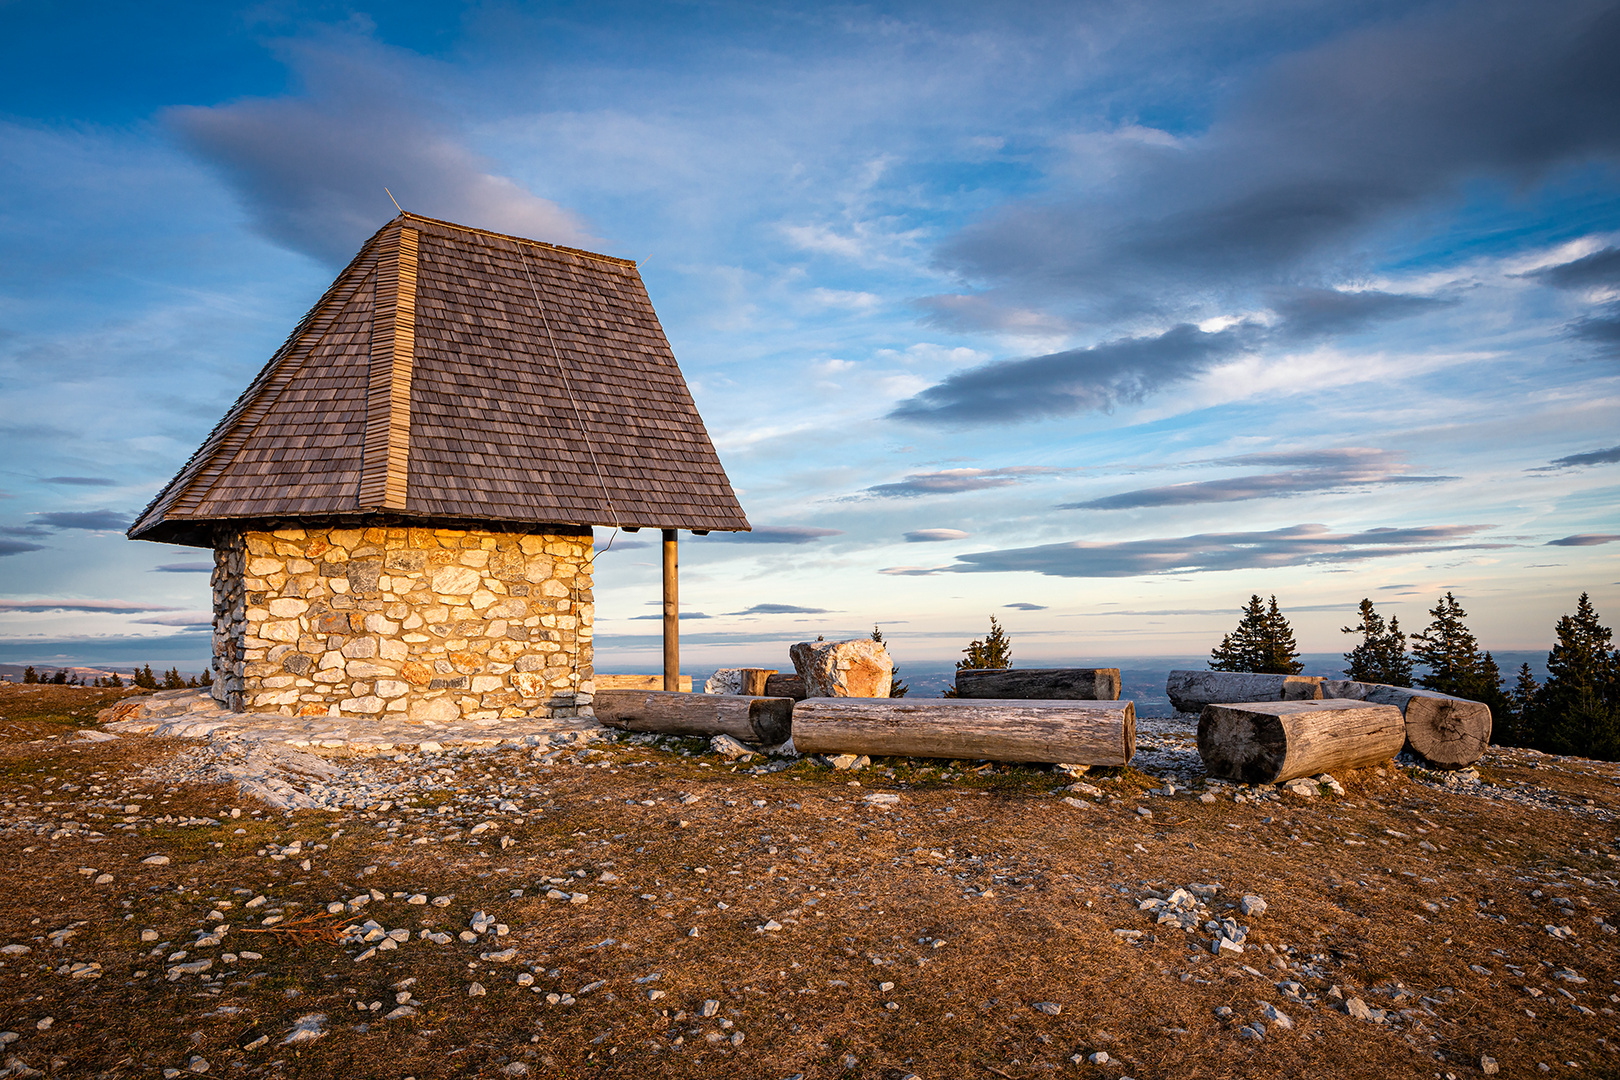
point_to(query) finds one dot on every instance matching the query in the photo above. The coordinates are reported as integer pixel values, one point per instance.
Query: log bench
(1065, 684)
(993, 729)
(765, 721)
(1270, 742)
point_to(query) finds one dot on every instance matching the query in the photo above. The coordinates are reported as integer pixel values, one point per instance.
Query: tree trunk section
(1448, 732)
(764, 720)
(1190, 691)
(788, 686)
(1026, 684)
(994, 729)
(1268, 742)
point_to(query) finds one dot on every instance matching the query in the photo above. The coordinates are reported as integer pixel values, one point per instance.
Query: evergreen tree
(145, 679)
(1263, 643)
(61, 677)
(1381, 655)
(172, 680)
(1578, 710)
(1448, 649)
(114, 680)
(896, 687)
(207, 678)
(30, 675)
(994, 650)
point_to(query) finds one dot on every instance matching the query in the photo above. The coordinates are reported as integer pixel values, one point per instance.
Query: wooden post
(672, 614)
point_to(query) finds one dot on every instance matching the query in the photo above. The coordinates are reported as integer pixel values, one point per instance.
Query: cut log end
(1449, 732)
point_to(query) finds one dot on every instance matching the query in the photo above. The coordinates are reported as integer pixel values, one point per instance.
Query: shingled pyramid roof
(454, 374)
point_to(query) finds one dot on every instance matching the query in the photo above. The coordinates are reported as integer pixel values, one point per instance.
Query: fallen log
(1268, 742)
(1449, 732)
(1026, 684)
(764, 720)
(789, 686)
(637, 682)
(993, 729)
(1190, 691)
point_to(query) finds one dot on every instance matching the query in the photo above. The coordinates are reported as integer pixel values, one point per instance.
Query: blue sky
(1098, 317)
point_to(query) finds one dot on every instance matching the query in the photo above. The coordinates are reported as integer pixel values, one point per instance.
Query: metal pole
(672, 613)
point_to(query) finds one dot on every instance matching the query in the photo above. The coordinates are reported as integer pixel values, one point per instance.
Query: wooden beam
(672, 613)
(1073, 732)
(385, 468)
(763, 720)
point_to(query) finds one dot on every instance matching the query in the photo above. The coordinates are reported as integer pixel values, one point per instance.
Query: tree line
(1577, 711)
(143, 678)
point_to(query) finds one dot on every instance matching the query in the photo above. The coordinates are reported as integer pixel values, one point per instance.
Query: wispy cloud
(1584, 540)
(1297, 545)
(187, 619)
(18, 547)
(184, 568)
(952, 481)
(684, 615)
(780, 609)
(1025, 607)
(914, 571)
(935, 536)
(1320, 471)
(93, 520)
(311, 168)
(774, 534)
(1608, 456)
(100, 607)
(81, 481)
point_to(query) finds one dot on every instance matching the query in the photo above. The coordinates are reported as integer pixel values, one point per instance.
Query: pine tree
(993, 651)
(172, 680)
(896, 687)
(30, 675)
(1448, 649)
(1263, 642)
(207, 678)
(114, 680)
(60, 678)
(145, 679)
(1578, 710)
(1381, 656)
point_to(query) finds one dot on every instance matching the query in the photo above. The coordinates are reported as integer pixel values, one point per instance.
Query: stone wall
(430, 624)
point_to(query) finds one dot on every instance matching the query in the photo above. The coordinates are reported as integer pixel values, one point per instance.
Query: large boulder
(859, 668)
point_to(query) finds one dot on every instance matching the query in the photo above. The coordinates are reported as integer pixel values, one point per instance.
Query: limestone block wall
(431, 624)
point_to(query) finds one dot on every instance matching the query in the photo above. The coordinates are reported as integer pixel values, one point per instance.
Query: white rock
(1276, 1016)
(306, 1028)
(729, 748)
(155, 860)
(1252, 904)
(1487, 1065)
(1099, 1058)
(475, 990)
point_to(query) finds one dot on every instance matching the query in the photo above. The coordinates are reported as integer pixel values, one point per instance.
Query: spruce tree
(1263, 642)
(60, 678)
(207, 678)
(896, 687)
(30, 675)
(994, 650)
(1578, 710)
(1448, 649)
(1381, 655)
(114, 680)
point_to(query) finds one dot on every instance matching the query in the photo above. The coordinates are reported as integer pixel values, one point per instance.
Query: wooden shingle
(454, 374)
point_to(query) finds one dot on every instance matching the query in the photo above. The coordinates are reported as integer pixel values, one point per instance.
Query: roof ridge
(631, 263)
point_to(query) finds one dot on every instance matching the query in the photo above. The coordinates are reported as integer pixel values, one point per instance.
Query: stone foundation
(422, 624)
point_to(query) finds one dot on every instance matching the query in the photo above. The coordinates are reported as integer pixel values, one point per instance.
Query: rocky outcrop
(858, 668)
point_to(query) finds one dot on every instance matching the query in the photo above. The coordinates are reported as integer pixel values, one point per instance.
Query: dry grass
(1063, 880)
